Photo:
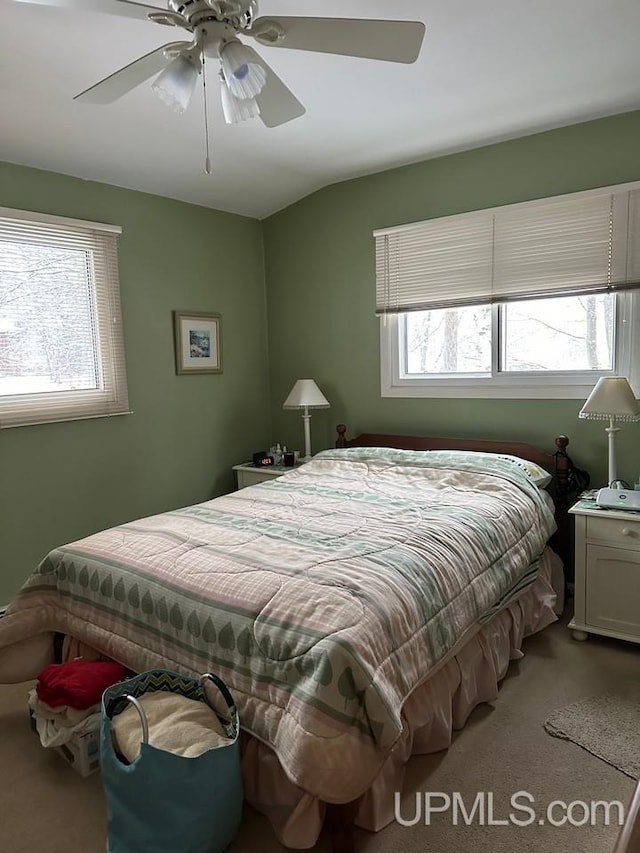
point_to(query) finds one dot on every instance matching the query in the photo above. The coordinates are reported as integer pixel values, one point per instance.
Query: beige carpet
(46, 807)
(607, 726)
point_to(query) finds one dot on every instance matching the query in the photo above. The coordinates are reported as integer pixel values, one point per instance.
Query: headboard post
(562, 463)
(562, 540)
(341, 441)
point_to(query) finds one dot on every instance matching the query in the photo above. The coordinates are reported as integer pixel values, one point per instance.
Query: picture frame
(198, 342)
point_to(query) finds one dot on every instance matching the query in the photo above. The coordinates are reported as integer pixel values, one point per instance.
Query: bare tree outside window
(554, 335)
(450, 340)
(62, 352)
(47, 337)
(563, 334)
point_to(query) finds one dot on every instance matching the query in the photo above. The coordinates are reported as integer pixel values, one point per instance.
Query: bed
(358, 607)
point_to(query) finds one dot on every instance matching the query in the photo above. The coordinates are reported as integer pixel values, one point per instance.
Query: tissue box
(82, 752)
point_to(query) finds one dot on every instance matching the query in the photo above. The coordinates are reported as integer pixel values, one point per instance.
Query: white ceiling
(489, 70)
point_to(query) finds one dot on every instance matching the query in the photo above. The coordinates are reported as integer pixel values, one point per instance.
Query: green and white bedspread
(323, 598)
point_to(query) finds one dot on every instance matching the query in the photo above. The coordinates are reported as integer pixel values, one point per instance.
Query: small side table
(248, 474)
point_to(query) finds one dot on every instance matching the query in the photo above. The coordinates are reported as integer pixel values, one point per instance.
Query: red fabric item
(78, 683)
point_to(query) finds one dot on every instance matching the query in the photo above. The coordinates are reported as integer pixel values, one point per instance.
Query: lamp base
(612, 431)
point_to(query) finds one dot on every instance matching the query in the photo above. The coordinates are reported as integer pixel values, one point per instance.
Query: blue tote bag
(163, 802)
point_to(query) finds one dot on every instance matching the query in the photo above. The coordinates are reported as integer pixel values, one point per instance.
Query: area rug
(607, 726)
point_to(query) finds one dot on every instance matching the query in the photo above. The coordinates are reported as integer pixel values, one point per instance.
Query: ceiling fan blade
(277, 103)
(127, 78)
(124, 8)
(394, 41)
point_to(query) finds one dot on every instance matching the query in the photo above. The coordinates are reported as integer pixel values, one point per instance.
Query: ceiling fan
(249, 87)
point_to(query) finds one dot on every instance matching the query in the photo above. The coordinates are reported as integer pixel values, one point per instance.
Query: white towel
(59, 725)
(176, 724)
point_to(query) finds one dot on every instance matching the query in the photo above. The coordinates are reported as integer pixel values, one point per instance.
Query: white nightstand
(248, 474)
(607, 573)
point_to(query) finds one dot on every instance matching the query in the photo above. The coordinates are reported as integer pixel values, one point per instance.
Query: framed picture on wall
(198, 342)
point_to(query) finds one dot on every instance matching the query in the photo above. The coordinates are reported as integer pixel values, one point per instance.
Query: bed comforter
(323, 598)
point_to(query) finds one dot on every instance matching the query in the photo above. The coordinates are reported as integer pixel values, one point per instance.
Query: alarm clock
(262, 459)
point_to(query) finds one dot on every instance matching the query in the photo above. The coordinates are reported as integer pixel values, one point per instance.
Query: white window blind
(582, 243)
(61, 342)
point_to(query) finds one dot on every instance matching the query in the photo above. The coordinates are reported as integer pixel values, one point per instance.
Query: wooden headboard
(557, 464)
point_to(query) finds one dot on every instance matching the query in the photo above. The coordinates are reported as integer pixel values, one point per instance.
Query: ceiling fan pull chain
(207, 162)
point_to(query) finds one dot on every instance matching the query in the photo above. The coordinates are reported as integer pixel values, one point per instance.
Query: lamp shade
(305, 393)
(245, 78)
(235, 109)
(612, 397)
(176, 83)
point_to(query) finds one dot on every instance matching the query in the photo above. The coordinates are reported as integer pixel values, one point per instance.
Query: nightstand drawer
(250, 478)
(624, 533)
(250, 475)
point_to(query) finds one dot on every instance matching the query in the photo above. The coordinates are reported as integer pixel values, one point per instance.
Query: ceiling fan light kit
(249, 86)
(245, 78)
(236, 110)
(176, 84)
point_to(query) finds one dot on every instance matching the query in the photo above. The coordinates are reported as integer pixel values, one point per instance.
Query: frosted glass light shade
(306, 394)
(612, 397)
(245, 78)
(235, 109)
(176, 83)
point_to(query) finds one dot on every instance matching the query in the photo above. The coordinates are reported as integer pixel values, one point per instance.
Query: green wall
(59, 482)
(321, 289)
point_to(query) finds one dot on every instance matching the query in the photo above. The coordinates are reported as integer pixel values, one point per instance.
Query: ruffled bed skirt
(434, 710)
(441, 705)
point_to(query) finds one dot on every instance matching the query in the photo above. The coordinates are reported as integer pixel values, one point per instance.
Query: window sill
(491, 389)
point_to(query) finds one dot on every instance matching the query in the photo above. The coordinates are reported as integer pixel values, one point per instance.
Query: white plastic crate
(82, 752)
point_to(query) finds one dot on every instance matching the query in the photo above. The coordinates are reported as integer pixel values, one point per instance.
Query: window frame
(512, 385)
(111, 397)
(423, 265)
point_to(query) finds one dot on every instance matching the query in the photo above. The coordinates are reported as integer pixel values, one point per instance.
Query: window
(61, 343)
(537, 299)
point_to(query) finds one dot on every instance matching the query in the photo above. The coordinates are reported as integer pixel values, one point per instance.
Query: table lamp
(611, 399)
(306, 395)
